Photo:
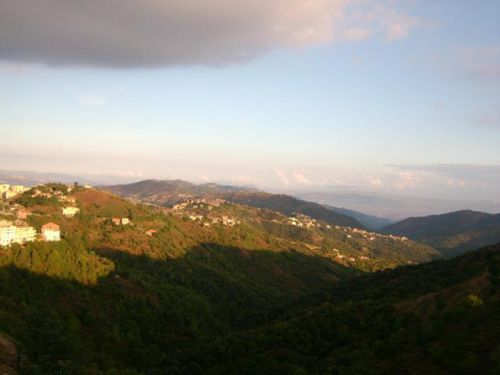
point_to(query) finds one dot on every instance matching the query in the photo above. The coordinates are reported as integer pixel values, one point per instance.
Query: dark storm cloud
(137, 33)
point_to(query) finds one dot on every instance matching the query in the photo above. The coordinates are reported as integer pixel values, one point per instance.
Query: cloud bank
(449, 180)
(144, 33)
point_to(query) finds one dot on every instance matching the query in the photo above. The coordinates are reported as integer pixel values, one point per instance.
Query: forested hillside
(435, 318)
(453, 233)
(128, 297)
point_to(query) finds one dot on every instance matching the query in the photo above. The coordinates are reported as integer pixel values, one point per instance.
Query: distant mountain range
(28, 178)
(170, 192)
(394, 207)
(369, 221)
(452, 233)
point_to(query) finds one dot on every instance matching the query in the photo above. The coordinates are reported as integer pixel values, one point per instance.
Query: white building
(8, 194)
(70, 211)
(4, 188)
(51, 232)
(25, 234)
(18, 189)
(7, 233)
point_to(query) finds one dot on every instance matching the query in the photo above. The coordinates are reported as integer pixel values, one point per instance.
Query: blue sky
(386, 96)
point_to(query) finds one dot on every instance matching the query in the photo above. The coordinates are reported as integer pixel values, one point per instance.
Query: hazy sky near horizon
(389, 96)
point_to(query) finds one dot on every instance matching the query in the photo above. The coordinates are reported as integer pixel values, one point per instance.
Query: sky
(387, 96)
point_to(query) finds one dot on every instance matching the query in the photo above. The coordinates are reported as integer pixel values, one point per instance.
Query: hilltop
(167, 193)
(452, 233)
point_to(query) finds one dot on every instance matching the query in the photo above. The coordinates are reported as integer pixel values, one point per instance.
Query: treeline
(66, 260)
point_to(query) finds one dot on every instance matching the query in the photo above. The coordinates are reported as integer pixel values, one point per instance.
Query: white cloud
(375, 182)
(450, 180)
(406, 180)
(281, 176)
(299, 177)
(456, 183)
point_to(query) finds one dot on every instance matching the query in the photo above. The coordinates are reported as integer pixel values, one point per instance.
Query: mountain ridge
(169, 192)
(452, 233)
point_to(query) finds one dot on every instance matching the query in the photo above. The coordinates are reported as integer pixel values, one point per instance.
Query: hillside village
(43, 214)
(10, 191)
(14, 226)
(18, 231)
(16, 207)
(201, 210)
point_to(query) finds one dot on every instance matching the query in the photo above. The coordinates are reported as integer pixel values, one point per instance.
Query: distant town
(14, 227)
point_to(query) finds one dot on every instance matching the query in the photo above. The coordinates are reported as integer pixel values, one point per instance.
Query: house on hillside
(18, 189)
(22, 214)
(10, 233)
(70, 211)
(8, 194)
(25, 234)
(7, 233)
(150, 232)
(122, 221)
(51, 232)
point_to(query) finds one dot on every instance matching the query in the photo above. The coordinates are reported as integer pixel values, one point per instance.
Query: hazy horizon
(394, 207)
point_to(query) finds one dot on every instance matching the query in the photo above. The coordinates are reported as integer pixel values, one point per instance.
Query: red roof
(50, 226)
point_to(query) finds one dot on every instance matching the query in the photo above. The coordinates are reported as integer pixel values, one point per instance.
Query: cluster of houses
(304, 221)
(370, 236)
(60, 195)
(11, 233)
(226, 221)
(20, 232)
(207, 221)
(10, 191)
(199, 203)
(70, 211)
(120, 221)
(340, 256)
(195, 209)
